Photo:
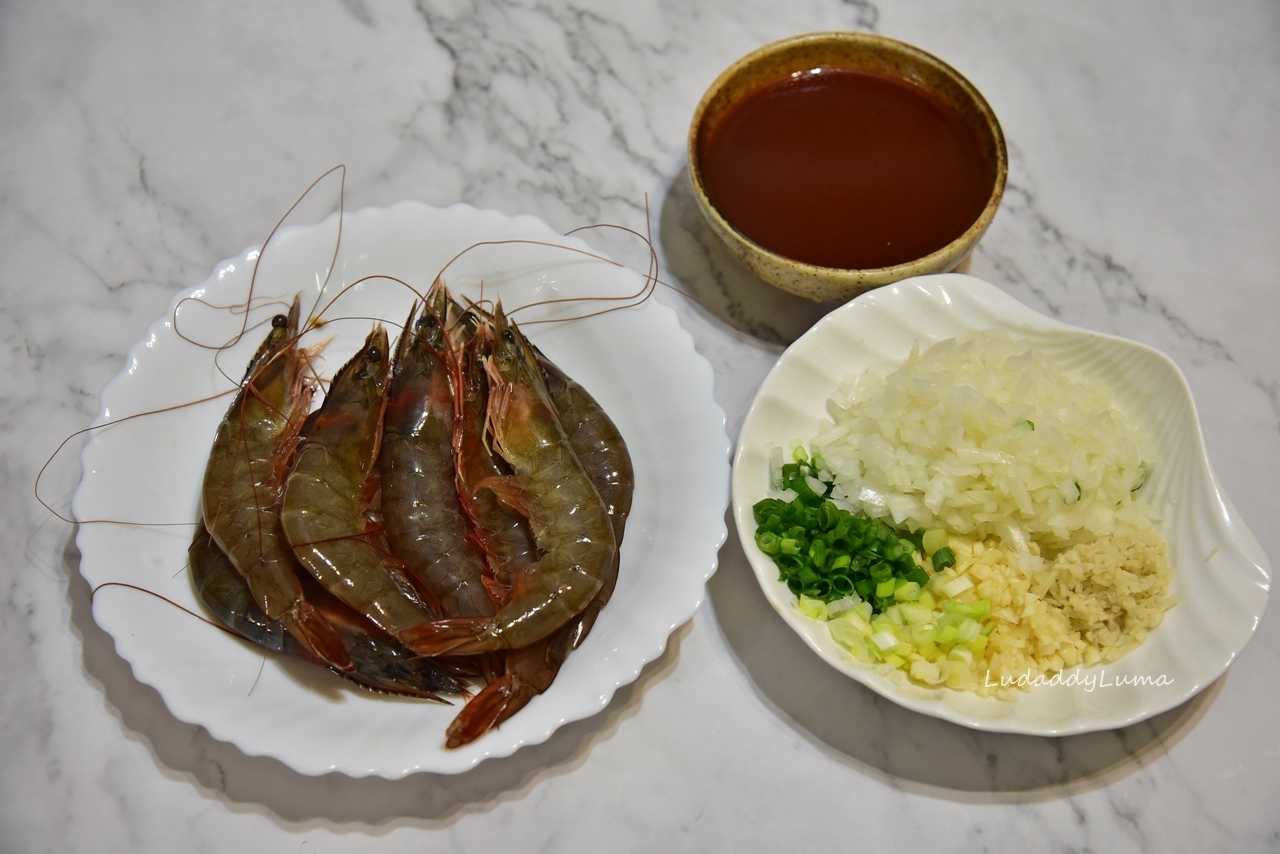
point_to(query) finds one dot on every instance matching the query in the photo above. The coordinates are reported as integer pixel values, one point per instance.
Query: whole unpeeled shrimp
(240, 495)
(323, 510)
(421, 509)
(508, 545)
(531, 670)
(569, 520)
(502, 532)
(604, 456)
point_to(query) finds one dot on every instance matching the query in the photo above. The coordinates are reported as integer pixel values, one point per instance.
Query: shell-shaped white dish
(638, 363)
(1220, 570)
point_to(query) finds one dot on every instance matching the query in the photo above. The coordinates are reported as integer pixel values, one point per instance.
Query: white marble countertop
(142, 143)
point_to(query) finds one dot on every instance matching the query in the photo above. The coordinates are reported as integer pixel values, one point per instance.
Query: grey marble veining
(140, 144)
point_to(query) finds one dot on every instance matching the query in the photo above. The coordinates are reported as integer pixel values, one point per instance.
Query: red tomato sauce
(844, 168)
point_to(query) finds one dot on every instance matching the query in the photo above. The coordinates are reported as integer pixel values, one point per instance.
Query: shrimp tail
(498, 701)
(378, 663)
(319, 636)
(530, 671)
(454, 636)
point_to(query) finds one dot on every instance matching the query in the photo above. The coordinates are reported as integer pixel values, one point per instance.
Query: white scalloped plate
(1220, 570)
(638, 362)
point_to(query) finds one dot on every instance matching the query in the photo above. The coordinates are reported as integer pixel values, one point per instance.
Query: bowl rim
(850, 275)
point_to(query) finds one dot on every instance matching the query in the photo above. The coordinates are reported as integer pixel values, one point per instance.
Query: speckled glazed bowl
(861, 52)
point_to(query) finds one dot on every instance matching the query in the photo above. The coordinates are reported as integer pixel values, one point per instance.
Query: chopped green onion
(827, 552)
(914, 613)
(885, 640)
(926, 672)
(933, 540)
(907, 592)
(839, 606)
(769, 543)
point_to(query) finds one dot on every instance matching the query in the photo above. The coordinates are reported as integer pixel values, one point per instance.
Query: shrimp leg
(508, 545)
(503, 533)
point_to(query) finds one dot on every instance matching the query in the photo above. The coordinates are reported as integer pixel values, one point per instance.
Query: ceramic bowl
(859, 52)
(1219, 569)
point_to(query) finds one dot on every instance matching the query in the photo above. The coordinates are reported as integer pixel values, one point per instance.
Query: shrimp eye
(508, 336)
(279, 321)
(375, 354)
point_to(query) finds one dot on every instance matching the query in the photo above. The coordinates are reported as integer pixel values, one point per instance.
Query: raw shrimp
(604, 456)
(569, 520)
(590, 432)
(326, 496)
(243, 480)
(224, 591)
(508, 545)
(548, 587)
(422, 513)
(532, 669)
(503, 532)
(378, 663)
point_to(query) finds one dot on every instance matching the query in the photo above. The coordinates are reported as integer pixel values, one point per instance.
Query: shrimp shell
(323, 510)
(422, 511)
(569, 520)
(532, 669)
(605, 458)
(240, 494)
